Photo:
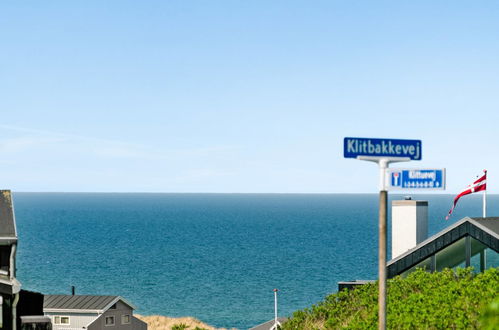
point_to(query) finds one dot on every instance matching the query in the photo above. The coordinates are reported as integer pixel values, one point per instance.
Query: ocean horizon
(214, 256)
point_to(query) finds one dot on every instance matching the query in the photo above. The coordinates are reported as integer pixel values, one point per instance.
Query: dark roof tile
(77, 302)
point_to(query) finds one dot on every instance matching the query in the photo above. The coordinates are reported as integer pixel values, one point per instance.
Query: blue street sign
(355, 147)
(400, 178)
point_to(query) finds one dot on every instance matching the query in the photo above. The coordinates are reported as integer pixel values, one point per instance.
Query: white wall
(76, 320)
(409, 225)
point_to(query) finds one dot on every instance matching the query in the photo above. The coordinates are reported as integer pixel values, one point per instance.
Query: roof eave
(118, 299)
(77, 311)
(430, 239)
(7, 240)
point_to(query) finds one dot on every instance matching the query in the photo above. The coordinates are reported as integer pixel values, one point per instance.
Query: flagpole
(485, 203)
(484, 197)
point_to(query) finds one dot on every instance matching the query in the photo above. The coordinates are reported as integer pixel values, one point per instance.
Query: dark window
(109, 320)
(4, 259)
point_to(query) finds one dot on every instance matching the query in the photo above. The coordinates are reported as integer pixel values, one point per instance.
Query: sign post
(383, 152)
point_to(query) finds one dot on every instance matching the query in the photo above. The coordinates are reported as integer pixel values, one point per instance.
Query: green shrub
(441, 300)
(490, 318)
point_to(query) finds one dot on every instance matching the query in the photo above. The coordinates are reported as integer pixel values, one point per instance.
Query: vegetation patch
(442, 300)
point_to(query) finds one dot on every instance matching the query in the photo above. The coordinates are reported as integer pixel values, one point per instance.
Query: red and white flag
(480, 184)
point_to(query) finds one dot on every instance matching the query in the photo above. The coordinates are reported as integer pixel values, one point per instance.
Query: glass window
(109, 320)
(61, 320)
(425, 264)
(452, 256)
(125, 319)
(491, 258)
(4, 260)
(477, 260)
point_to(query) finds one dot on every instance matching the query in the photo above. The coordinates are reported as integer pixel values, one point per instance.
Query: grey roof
(267, 325)
(491, 223)
(7, 221)
(485, 230)
(78, 302)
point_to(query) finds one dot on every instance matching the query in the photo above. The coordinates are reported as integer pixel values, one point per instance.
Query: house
(24, 310)
(10, 287)
(269, 324)
(19, 309)
(468, 242)
(71, 312)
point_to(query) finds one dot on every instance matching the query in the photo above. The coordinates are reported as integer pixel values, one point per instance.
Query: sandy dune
(158, 322)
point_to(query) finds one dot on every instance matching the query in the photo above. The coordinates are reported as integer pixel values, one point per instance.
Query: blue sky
(242, 96)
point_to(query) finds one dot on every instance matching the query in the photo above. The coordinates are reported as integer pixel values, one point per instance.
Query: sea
(216, 257)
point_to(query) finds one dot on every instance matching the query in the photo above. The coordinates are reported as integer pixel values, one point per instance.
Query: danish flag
(480, 184)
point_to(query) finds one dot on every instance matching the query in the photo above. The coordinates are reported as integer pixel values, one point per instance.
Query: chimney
(409, 224)
(73, 290)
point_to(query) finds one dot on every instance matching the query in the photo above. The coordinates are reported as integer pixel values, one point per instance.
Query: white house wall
(76, 320)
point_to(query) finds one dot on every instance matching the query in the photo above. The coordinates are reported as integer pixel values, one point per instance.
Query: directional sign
(407, 178)
(355, 147)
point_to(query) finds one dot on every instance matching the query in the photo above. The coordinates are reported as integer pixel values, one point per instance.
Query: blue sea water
(216, 257)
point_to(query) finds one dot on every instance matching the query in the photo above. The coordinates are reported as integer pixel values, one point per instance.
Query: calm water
(216, 257)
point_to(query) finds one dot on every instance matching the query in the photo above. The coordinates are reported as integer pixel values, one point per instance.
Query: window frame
(123, 317)
(112, 317)
(58, 319)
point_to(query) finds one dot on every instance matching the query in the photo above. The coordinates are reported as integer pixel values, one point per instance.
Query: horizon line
(233, 193)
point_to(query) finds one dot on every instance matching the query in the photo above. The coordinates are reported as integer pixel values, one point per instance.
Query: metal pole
(277, 324)
(485, 203)
(275, 306)
(383, 197)
(383, 201)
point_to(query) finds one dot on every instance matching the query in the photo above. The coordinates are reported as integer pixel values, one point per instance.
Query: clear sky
(242, 96)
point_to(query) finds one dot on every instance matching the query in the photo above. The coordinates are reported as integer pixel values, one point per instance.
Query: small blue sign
(398, 178)
(355, 147)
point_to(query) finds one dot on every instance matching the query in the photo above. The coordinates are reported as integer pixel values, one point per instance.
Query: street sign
(410, 178)
(358, 147)
(383, 152)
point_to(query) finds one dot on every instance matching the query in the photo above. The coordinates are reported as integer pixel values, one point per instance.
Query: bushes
(490, 319)
(442, 300)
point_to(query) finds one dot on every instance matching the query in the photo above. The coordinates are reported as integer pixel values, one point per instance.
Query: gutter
(13, 262)
(14, 311)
